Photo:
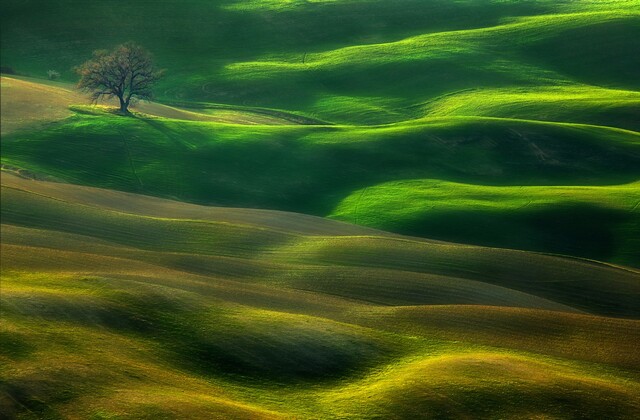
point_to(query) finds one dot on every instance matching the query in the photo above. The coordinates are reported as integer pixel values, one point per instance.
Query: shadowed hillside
(488, 94)
(331, 209)
(350, 60)
(210, 309)
(349, 172)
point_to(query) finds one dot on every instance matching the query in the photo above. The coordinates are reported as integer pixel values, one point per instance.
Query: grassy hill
(483, 93)
(124, 306)
(31, 103)
(599, 222)
(347, 61)
(487, 153)
(350, 172)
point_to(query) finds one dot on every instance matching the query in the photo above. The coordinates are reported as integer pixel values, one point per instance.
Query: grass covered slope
(102, 318)
(29, 103)
(326, 170)
(347, 61)
(589, 105)
(485, 93)
(508, 125)
(599, 222)
(275, 240)
(385, 82)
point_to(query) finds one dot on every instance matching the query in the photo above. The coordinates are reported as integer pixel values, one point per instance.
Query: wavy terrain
(331, 209)
(183, 310)
(553, 187)
(350, 61)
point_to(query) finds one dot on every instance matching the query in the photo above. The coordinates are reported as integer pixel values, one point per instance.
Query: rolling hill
(31, 103)
(482, 93)
(348, 61)
(600, 222)
(178, 310)
(332, 209)
(349, 172)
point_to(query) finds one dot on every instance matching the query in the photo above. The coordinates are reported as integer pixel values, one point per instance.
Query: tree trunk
(123, 105)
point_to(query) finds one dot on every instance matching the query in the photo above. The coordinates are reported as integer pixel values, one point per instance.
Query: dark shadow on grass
(583, 230)
(14, 345)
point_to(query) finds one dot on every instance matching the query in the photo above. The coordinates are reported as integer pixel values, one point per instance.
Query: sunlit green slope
(349, 61)
(125, 306)
(503, 123)
(484, 93)
(582, 104)
(600, 222)
(350, 172)
(29, 104)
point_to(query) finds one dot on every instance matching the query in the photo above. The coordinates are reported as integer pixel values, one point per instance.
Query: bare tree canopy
(127, 72)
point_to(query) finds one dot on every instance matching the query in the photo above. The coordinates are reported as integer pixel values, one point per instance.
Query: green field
(359, 174)
(332, 209)
(351, 61)
(127, 306)
(599, 222)
(486, 93)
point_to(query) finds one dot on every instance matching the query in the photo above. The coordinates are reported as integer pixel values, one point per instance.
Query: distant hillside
(348, 61)
(343, 171)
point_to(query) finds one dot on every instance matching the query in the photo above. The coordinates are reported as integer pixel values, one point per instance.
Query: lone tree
(127, 72)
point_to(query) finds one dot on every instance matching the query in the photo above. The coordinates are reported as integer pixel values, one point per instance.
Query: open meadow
(330, 209)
